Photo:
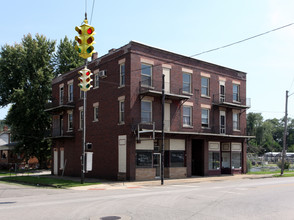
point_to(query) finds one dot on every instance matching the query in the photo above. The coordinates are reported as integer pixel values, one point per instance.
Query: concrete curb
(150, 183)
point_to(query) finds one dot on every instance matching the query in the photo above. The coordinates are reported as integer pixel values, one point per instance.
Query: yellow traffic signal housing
(85, 79)
(85, 40)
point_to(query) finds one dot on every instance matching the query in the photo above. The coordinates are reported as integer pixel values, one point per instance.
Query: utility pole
(162, 131)
(285, 133)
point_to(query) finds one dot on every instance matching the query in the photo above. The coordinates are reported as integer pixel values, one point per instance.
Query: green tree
(66, 57)
(25, 82)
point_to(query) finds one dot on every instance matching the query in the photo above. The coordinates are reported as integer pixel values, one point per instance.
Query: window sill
(187, 93)
(121, 123)
(69, 131)
(205, 96)
(97, 87)
(95, 121)
(237, 130)
(207, 128)
(147, 86)
(121, 86)
(187, 126)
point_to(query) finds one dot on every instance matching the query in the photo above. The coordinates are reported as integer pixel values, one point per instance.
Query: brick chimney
(94, 56)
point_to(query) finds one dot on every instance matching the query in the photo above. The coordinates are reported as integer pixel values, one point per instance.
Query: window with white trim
(146, 74)
(96, 80)
(146, 111)
(236, 121)
(236, 93)
(122, 74)
(187, 82)
(70, 121)
(204, 86)
(61, 94)
(121, 111)
(205, 117)
(70, 92)
(187, 116)
(95, 111)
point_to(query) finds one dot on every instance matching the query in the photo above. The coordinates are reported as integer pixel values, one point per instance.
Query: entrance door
(157, 164)
(197, 157)
(226, 162)
(166, 73)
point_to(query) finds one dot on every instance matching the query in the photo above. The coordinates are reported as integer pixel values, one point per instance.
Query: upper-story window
(70, 92)
(146, 111)
(61, 94)
(70, 120)
(96, 80)
(122, 74)
(236, 121)
(146, 74)
(121, 111)
(95, 111)
(204, 86)
(187, 82)
(205, 117)
(187, 116)
(236, 93)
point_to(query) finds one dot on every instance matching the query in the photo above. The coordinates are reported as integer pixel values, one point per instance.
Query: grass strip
(284, 175)
(269, 172)
(44, 181)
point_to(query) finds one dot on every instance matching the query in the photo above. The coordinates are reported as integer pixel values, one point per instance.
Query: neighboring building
(205, 117)
(8, 158)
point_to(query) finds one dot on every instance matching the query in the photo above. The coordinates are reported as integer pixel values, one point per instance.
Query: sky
(186, 27)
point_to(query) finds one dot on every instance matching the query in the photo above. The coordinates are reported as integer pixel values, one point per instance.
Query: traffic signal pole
(83, 170)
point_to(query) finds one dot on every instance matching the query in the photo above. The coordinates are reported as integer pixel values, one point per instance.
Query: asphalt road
(269, 198)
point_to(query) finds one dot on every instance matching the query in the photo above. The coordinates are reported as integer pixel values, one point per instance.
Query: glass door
(157, 164)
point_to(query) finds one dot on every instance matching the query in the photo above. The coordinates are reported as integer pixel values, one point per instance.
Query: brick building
(205, 116)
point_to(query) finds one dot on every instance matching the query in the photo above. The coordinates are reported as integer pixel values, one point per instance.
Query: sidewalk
(106, 185)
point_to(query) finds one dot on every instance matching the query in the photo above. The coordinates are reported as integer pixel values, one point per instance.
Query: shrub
(286, 165)
(248, 166)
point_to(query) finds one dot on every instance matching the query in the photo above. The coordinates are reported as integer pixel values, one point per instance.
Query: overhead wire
(92, 11)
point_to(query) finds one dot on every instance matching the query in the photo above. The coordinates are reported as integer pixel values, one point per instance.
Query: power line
(222, 47)
(241, 41)
(92, 11)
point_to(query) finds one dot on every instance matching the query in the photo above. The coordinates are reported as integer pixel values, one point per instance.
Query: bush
(286, 165)
(248, 166)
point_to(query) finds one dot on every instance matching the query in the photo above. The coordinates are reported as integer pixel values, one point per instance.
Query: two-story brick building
(205, 116)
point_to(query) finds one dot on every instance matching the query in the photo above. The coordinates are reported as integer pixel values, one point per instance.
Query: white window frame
(95, 111)
(205, 87)
(190, 116)
(208, 112)
(61, 94)
(237, 94)
(122, 74)
(190, 83)
(236, 123)
(121, 112)
(69, 128)
(96, 80)
(150, 112)
(151, 67)
(70, 92)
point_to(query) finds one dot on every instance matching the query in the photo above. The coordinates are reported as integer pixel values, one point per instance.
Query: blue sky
(186, 27)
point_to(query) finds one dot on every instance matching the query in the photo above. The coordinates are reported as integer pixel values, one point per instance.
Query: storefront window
(144, 159)
(214, 163)
(236, 160)
(177, 158)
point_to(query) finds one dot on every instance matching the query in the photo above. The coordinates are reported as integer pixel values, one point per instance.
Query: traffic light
(85, 40)
(85, 79)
